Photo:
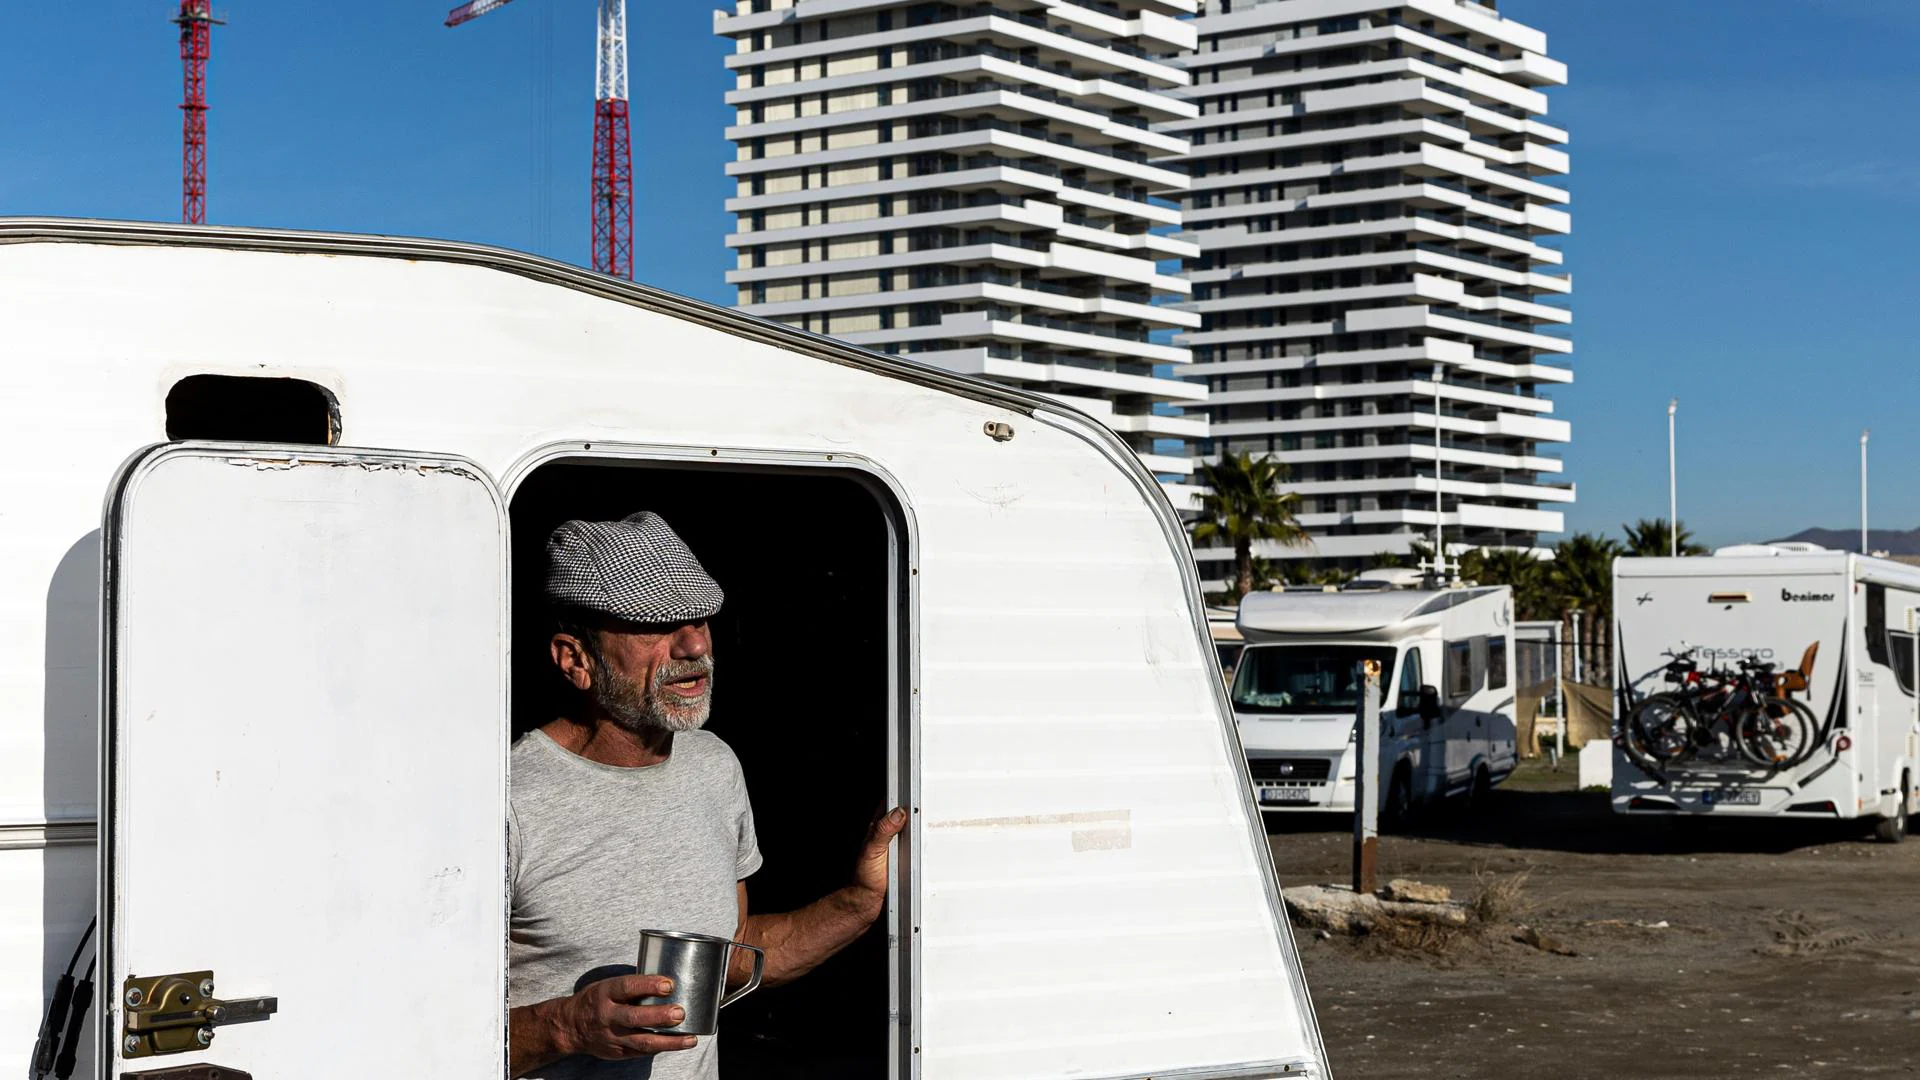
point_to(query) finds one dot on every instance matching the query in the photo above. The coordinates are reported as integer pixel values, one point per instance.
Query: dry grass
(1499, 898)
(1389, 936)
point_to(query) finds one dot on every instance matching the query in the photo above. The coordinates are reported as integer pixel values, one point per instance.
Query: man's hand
(796, 942)
(870, 873)
(600, 1021)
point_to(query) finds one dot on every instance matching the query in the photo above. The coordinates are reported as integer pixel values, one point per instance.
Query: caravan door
(1430, 776)
(304, 741)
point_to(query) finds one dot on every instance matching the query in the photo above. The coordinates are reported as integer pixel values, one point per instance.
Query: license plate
(1730, 798)
(1285, 796)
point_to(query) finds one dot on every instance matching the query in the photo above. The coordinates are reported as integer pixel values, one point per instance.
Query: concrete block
(1596, 764)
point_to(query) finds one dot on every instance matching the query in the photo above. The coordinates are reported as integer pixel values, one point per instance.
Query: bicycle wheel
(1659, 731)
(1816, 732)
(1775, 733)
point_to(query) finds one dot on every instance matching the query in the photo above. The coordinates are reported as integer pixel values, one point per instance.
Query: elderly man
(625, 816)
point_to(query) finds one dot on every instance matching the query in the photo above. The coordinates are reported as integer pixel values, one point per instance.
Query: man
(626, 816)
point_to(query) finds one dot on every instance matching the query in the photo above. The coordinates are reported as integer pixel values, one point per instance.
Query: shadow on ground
(1583, 822)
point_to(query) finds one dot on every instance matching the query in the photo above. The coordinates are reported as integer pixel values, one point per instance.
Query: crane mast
(196, 23)
(612, 189)
(612, 156)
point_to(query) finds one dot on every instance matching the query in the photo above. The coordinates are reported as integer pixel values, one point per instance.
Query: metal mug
(698, 965)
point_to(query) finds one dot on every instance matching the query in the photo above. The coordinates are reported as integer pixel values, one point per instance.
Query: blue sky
(1745, 196)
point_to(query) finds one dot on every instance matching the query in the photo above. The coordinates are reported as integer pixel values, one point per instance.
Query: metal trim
(1076, 423)
(904, 596)
(1299, 1069)
(107, 1003)
(18, 230)
(39, 837)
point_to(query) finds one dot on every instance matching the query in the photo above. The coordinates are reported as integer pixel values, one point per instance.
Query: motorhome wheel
(1399, 806)
(1893, 828)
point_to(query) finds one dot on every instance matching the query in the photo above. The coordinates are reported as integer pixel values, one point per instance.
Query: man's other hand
(870, 874)
(602, 1020)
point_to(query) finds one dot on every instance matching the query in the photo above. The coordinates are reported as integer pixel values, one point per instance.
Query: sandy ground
(1787, 950)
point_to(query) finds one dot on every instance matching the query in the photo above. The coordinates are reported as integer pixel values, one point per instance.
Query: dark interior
(801, 694)
(243, 408)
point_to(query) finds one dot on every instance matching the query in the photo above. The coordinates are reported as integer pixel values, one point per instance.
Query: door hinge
(172, 1014)
(189, 1072)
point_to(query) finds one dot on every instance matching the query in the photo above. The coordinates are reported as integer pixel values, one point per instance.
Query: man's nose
(692, 641)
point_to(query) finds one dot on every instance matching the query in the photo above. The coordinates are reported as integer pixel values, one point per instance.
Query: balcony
(1039, 166)
(933, 52)
(1488, 260)
(1485, 319)
(940, 89)
(1503, 201)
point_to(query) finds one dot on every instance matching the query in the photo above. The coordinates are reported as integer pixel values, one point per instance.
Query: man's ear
(571, 657)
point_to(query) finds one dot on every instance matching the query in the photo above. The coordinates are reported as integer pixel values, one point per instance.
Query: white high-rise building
(972, 185)
(1370, 190)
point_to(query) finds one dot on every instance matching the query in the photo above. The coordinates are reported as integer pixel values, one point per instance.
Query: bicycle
(1718, 714)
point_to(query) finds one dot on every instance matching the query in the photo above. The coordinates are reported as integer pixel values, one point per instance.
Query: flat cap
(636, 569)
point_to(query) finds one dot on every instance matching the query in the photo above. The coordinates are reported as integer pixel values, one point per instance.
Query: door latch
(172, 1014)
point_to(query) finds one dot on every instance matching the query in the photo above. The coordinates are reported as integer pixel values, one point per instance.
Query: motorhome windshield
(1306, 678)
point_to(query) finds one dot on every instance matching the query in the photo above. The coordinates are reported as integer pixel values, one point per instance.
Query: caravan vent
(1730, 598)
(250, 408)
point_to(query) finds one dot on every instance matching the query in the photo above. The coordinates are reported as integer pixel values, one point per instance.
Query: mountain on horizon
(1891, 541)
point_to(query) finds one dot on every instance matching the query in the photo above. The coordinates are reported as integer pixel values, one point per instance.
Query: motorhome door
(304, 747)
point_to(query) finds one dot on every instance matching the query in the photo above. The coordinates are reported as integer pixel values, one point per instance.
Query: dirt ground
(1786, 950)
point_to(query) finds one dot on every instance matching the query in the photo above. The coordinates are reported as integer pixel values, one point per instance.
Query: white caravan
(1447, 693)
(303, 653)
(1783, 604)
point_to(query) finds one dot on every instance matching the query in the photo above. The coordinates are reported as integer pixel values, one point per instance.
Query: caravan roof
(1770, 560)
(1345, 612)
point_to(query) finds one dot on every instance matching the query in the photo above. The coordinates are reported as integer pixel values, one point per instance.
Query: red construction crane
(612, 157)
(196, 23)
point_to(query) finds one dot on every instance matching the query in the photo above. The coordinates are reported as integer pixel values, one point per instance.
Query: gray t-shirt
(600, 853)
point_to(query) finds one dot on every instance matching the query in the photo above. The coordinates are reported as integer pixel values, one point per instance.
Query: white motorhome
(1447, 690)
(295, 645)
(1848, 618)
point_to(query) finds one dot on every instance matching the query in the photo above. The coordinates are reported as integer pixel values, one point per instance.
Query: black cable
(47, 1046)
(70, 1045)
(82, 947)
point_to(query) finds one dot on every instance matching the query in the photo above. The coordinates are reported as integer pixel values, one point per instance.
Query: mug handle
(753, 981)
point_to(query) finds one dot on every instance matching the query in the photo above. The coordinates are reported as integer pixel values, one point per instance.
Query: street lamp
(1863, 489)
(1673, 491)
(1439, 566)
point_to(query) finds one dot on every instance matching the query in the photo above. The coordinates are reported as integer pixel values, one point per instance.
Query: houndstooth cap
(635, 569)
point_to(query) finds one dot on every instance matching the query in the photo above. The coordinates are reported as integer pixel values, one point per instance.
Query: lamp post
(1574, 617)
(1863, 489)
(1673, 490)
(1439, 528)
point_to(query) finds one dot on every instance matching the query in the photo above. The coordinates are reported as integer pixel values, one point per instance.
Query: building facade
(1371, 193)
(973, 185)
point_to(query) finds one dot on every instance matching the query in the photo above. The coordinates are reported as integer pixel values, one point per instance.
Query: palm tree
(1244, 504)
(1583, 580)
(1529, 577)
(1329, 575)
(1387, 560)
(1266, 575)
(1472, 566)
(1651, 537)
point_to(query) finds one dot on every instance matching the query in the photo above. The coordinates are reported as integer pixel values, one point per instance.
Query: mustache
(676, 670)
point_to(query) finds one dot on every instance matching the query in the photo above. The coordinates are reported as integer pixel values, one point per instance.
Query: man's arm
(796, 942)
(600, 1021)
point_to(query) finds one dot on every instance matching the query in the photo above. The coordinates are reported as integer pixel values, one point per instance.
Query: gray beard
(653, 708)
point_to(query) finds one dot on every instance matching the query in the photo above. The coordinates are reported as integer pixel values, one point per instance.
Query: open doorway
(806, 694)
